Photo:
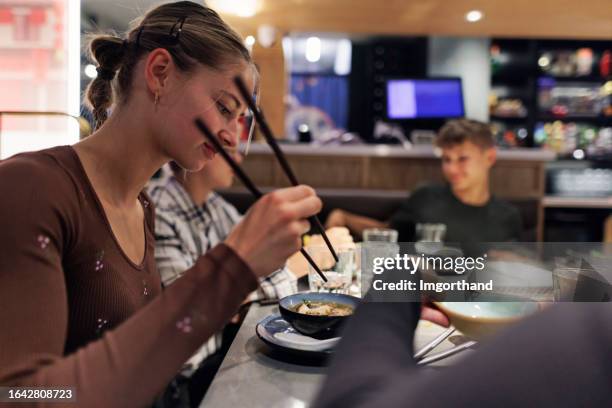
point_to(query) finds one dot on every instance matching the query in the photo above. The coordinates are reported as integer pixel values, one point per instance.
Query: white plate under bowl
(276, 331)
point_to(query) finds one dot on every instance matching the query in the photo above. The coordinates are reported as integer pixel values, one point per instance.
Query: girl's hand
(272, 228)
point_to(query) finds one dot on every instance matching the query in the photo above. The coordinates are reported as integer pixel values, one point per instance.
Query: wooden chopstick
(245, 180)
(280, 156)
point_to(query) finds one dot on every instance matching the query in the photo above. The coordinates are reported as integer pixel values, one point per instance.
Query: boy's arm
(354, 222)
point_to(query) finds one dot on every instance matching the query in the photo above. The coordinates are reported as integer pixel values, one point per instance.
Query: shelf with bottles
(539, 81)
(512, 95)
(591, 79)
(577, 140)
(508, 102)
(580, 182)
(600, 120)
(576, 99)
(585, 63)
(511, 61)
(507, 109)
(510, 135)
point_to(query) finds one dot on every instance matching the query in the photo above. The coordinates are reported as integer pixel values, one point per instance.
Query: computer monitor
(433, 98)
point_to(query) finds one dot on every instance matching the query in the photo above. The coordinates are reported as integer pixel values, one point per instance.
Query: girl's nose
(228, 139)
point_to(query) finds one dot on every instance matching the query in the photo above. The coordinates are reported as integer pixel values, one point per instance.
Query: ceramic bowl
(482, 319)
(315, 325)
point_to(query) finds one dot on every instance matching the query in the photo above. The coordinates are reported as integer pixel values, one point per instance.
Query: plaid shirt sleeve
(277, 285)
(171, 255)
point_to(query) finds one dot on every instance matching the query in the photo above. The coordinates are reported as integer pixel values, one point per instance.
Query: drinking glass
(379, 235)
(430, 232)
(339, 274)
(565, 278)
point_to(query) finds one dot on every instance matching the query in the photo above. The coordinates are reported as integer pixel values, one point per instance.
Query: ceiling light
(474, 16)
(313, 49)
(578, 154)
(249, 41)
(544, 61)
(342, 64)
(240, 8)
(91, 71)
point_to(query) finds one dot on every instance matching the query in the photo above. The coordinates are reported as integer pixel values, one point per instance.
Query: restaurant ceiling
(502, 18)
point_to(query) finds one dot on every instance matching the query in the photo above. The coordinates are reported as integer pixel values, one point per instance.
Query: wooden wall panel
(401, 173)
(517, 179)
(260, 169)
(511, 179)
(329, 172)
(271, 64)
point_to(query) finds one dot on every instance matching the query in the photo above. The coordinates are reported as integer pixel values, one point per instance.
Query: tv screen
(424, 98)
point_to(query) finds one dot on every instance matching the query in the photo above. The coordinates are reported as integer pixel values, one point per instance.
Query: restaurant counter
(518, 173)
(380, 150)
(577, 202)
(253, 375)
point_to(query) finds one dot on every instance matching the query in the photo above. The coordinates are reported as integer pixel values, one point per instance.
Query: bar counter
(252, 375)
(518, 173)
(373, 150)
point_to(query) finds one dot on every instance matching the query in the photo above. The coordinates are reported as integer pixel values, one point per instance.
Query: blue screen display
(424, 98)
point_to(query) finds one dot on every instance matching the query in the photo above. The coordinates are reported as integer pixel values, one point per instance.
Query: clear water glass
(339, 274)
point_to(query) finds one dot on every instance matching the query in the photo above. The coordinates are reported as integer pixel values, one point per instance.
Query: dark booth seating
(380, 204)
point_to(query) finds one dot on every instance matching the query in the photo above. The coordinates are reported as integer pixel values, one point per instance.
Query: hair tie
(105, 74)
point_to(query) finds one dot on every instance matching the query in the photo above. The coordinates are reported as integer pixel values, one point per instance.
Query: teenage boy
(464, 205)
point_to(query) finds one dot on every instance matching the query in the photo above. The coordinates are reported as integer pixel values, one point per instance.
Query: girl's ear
(158, 67)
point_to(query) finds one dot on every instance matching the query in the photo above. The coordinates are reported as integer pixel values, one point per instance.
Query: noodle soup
(316, 313)
(313, 308)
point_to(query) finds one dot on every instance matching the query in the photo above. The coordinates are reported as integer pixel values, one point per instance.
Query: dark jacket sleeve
(559, 358)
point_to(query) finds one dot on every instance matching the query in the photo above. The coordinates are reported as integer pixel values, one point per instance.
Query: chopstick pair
(245, 179)
(434, 343)
(447, 353)
(420, 355)
(280, 156)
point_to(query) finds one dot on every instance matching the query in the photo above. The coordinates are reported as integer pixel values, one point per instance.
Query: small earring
(156, 99)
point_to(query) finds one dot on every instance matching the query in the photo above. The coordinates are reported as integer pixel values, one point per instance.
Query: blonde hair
(192, 34)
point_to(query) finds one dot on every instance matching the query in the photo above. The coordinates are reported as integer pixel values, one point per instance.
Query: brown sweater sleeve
(129, 365)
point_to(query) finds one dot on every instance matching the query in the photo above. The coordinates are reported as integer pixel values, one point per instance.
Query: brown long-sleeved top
(75, 311)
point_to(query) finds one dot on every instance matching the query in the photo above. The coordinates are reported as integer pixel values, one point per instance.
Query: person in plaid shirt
(190, 220)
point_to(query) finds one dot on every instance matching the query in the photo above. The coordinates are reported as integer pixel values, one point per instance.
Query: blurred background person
(465, 205)
(191, 219)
